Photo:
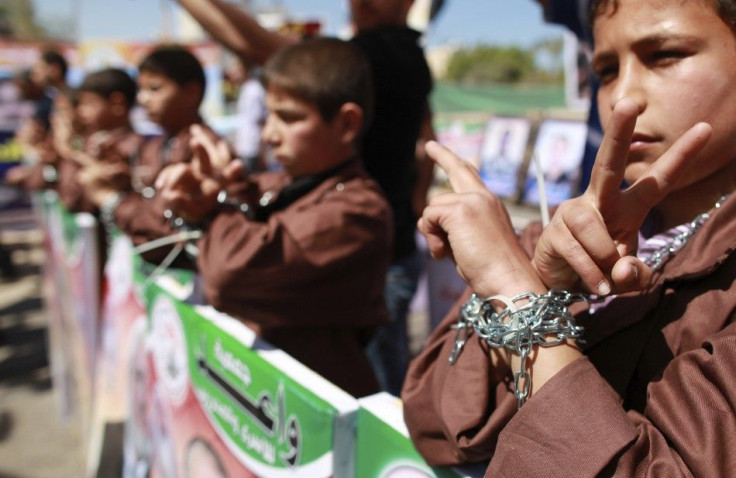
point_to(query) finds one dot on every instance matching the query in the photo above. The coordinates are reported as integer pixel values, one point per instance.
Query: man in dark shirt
(402, 116)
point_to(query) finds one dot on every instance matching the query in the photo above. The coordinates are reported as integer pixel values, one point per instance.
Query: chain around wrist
(544, 320)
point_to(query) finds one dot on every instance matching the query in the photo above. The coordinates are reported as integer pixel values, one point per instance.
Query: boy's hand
(100, 181)
(590, 238)
(472, 226)
(190, 190)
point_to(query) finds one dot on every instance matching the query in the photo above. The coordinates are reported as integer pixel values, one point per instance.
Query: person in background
(299, 255)
(171, 85)
(104, 101)
(653, 375)
(250, 111)
(392, 149)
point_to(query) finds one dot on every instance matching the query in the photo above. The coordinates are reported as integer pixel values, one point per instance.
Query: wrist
(546, 362)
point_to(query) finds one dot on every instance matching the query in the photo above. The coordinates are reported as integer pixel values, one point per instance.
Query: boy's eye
(666, 56)
(606, 73)
(288, 117)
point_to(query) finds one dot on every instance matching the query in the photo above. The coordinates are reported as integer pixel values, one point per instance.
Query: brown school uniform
(117, 145)
(307, 275)
(140, 214)
(654, 396)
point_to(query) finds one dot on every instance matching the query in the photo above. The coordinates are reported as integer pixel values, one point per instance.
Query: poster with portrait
(502, 153)
(462, 136)
(559, 149)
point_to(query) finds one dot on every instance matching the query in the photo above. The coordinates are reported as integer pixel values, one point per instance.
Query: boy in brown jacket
(299, 255)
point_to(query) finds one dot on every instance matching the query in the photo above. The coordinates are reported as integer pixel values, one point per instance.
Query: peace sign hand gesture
(590, 238)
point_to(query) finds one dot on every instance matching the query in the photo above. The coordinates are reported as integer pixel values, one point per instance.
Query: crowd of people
(603, 343)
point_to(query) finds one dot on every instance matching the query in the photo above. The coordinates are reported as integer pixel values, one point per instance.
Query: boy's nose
(629, 85)
(269, 134)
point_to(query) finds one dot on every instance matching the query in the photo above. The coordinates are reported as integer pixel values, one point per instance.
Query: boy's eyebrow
(649, 42)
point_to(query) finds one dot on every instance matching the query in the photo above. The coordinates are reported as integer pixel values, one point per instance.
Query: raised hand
(590, 238)
(190, 190)
(100, 180)
(471, 225)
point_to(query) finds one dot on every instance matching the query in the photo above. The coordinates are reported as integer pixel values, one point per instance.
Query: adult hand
(590, 238)
(471, 225)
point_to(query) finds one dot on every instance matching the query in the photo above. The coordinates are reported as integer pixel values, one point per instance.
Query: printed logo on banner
(169, 350)
(268, 416)
(259, 413)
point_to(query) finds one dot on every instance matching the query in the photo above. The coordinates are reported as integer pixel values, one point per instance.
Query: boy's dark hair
(53, 57)
(177, 63)
(726, 9)
(324, 71)
(107, 81)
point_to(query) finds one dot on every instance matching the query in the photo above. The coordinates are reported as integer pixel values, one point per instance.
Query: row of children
(300, 254)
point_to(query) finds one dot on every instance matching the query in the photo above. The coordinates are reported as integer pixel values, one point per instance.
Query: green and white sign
(384, 449)
(277, 417)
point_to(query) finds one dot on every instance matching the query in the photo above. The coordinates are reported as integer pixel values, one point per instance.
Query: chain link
(659, 257)
(543, 320)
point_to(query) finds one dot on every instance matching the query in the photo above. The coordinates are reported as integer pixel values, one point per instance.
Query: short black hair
(175, 62)
(326, 72)
(107, 81)
(53, 57)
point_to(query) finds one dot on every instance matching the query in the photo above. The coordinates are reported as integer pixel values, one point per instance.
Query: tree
(486, 64)
(18, 21)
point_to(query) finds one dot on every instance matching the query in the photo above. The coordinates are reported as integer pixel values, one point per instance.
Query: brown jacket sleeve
(455, 412)
(143, 221)
(317, 255)
(689, 426)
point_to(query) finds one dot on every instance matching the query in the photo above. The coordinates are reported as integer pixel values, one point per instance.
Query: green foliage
(485, 64)
(17, 20)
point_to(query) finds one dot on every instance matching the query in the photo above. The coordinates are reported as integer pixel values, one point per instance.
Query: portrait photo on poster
(502, 153)
(559, 151)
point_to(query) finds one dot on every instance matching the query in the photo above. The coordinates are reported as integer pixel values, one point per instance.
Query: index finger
(610, 162)
(673, 165)
(205, 151)
(463, 176)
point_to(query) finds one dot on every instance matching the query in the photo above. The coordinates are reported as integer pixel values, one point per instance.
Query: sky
(498, 22)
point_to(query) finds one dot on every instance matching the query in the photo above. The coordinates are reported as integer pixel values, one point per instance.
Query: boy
(402, 82)
(654, 392)
(171, 85)
(104, 101)
(299, 255)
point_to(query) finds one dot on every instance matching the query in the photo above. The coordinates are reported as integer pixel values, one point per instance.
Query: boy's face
(300, 139)
(162, 98)
(95, 112)
(370, 14)
(677, 59)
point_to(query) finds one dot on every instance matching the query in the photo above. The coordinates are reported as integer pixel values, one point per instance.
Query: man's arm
(236, 30)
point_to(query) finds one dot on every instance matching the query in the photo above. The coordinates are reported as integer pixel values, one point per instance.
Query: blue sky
(462, 21)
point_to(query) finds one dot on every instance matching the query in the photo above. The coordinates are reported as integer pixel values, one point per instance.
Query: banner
(71, 276)
(384, 449)
(176, 388)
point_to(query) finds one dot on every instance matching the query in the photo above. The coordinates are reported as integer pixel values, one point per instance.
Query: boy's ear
(350, 118)
(193, 92)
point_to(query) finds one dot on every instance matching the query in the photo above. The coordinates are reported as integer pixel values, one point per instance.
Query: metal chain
(659, 257)
(543, 320)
